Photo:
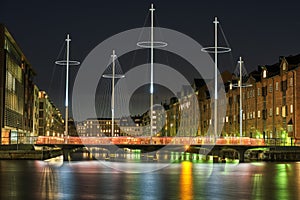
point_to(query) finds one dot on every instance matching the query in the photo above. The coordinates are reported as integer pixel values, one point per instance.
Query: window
(276, 86)
(271, 112)
(230, 100)
(277, 110)
(253, 93)
(234, 118)
(283, 85)
(253, 115)
(258, 114)
(270, 88)
(248, 116)
(258, 91)
(264, 91)
(226, 118)
(292, 109)
(234, 99)
(283, 111)
(291, 82)
(284, 66)
(264, 114)
(243, 116)
(264, 73)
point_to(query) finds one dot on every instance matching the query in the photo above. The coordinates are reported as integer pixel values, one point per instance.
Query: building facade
(269, 104)
(50, 122)
(16, 92)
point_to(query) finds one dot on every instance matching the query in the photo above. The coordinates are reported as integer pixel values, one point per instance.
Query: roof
(293, 60)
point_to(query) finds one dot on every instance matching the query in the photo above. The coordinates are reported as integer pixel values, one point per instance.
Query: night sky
(259, 31)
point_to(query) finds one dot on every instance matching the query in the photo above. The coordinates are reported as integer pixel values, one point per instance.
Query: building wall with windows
(16, 91)
(131, 126)
(101, 127)
(270, 109)
(50, 122)
(35, 125)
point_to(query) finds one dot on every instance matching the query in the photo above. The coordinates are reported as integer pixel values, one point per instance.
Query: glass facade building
(16, 92)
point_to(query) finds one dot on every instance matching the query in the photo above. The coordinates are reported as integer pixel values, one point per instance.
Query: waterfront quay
(28, 152)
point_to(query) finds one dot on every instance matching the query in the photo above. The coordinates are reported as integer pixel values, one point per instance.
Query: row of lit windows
(251, 115)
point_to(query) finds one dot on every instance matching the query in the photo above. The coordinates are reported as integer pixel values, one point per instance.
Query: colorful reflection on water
(183, 180)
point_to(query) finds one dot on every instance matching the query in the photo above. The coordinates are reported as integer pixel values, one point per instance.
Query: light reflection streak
(281, 180)
(49, 186)
(186, 181)
(257, 186)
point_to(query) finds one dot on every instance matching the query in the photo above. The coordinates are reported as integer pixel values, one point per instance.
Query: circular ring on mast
(64, 62)
(213, 49)
(243, 85)
(113, 76)
(156, 44)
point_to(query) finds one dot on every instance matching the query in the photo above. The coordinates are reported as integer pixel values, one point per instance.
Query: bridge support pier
(242, 155)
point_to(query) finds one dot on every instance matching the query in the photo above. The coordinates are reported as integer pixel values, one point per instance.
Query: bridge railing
(151, 140)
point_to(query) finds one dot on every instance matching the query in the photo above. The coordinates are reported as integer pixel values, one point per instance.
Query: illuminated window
(253, 115)
(271, 112)
(292, 109)
(258, 91)
(277, 110)
(291, 82)
(264, 73)
(283, 111)
(276, 86)
(243, 116)
(284, 66)
(258, 114)
(226, 118)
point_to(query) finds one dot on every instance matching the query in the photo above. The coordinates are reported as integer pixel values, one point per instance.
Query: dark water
(94, 180)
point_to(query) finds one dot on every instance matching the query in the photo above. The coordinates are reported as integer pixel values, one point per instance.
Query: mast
(113, 95)
(113, 76)
(67, 63)
(151, 78)
(241, 104)
(67, 85)
(216, 49)
(216, 79)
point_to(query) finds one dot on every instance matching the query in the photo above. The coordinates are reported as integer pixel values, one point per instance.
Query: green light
(281, 181)
(187, 156)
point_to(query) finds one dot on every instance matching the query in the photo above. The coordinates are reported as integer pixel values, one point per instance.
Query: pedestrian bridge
(200, 145)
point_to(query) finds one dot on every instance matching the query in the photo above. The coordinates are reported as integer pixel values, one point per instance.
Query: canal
(94, 179)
